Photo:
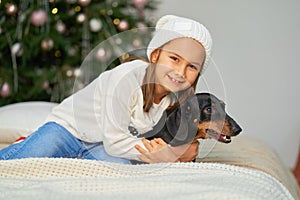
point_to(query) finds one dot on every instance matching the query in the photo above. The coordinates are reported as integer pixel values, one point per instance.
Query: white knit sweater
(110, 109)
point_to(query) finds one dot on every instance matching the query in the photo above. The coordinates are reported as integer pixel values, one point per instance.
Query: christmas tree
(44, 42)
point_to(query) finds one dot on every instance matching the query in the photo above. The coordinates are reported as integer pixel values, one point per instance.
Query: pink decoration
(47, 44)
(46, 85)
(5, 90)
(139, 3)
(142, 27)
(38, 17)
(84, 2)
(60, 27)
(123, 25)
(11, 9)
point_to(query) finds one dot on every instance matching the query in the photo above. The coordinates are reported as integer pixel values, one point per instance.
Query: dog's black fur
(202, 115)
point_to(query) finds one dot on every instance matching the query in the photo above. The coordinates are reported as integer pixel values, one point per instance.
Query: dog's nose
(235, 128)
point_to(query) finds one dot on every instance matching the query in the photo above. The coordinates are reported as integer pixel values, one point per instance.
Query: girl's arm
(120, 94)
(158, 151)
(117, 139)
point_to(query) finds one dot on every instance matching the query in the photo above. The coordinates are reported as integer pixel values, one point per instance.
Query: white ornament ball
(95, 25)
(11, 9)
(38, 17)
(110, 12)
(69, 73)
(77, 72)
(103, 54)
(72, 51)
(16, 49)
(81, 18)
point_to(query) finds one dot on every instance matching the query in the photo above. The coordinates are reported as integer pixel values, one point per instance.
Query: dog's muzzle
(235, 129)
(218, 136)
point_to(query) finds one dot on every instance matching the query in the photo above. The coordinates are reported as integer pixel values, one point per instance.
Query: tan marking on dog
(222, 127)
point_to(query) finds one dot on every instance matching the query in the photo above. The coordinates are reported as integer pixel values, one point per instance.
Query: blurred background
(254, 68)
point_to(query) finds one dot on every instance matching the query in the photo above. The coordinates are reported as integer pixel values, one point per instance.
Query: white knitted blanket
(50, 178)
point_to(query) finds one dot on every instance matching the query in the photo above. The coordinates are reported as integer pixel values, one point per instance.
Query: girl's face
(178, 64)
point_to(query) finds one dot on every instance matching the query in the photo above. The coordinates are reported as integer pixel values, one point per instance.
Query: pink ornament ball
(84, 2)
(5, 90)
(47, 44)
(123, 25)
(38, 17)
(142, 28)
(139, 3)
(60, 27)
(11, 9)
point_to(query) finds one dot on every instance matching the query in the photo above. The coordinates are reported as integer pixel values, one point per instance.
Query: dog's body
(200, 116)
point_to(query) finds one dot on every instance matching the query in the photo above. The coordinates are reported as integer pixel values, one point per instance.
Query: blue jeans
(54, 141)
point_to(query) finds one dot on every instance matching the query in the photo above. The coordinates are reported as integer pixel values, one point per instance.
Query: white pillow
(21, 119)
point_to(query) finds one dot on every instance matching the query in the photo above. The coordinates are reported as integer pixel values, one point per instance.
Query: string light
(116, 21)
(77, 8)
(57, 53)
(54, 11)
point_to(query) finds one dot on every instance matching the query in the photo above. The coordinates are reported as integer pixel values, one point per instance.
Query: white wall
(256, 54)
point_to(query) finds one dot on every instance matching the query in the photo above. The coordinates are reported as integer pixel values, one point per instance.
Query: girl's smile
(176, 80)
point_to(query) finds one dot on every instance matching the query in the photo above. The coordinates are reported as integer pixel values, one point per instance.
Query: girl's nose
(180, 69)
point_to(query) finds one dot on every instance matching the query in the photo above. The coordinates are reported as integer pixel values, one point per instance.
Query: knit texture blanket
(244, 169)
(253, 153)
(50, 178)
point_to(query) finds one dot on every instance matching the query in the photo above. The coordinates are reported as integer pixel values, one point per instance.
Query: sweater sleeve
(121, 94)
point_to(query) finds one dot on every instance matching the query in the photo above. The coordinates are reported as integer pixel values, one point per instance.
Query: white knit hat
(170, 27)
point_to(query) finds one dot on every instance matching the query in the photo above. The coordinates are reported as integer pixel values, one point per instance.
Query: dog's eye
(209, 110)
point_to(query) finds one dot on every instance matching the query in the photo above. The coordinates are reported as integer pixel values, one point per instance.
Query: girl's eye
(194, 67)
(174, 58)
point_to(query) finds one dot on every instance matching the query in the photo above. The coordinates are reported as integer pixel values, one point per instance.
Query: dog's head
(201, 116)
(214, 122)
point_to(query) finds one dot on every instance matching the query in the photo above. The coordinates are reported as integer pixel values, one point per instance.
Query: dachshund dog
(201, 115)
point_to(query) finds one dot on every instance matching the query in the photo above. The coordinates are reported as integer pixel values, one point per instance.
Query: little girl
(102, 121)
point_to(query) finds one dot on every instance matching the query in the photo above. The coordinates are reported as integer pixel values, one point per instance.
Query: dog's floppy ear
(183, 120)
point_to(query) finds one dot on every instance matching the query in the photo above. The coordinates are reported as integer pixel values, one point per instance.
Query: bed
(246, 168)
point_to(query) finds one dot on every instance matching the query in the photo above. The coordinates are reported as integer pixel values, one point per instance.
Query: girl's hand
(157, 151)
